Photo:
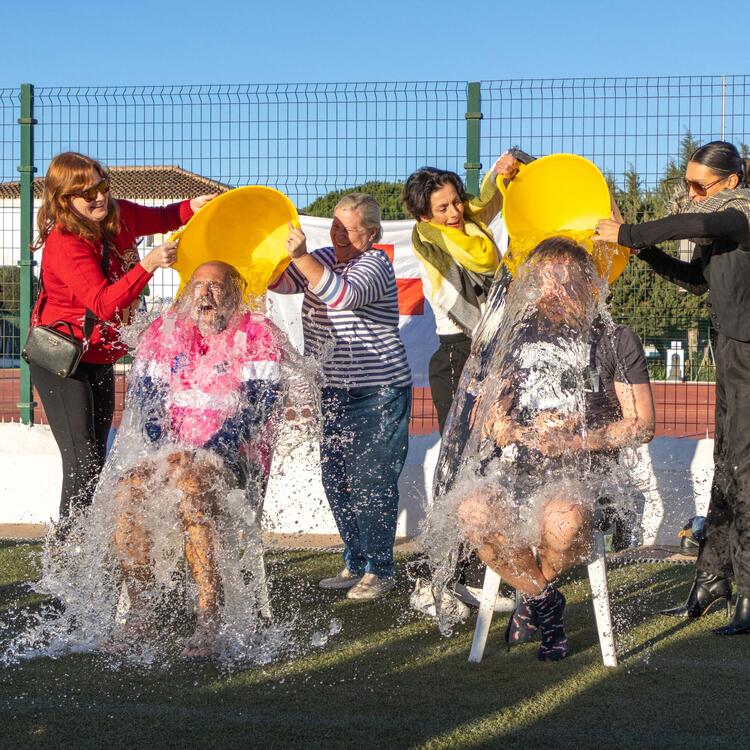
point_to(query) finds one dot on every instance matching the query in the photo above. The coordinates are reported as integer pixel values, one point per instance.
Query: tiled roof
(141, 183)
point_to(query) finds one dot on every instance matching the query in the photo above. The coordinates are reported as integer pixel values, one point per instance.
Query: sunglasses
(698, 188)
(89, 194)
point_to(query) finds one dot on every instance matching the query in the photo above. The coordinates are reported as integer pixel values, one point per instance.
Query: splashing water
(528, 393)
(169, 557)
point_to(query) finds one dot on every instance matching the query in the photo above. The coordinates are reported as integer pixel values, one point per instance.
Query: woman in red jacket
(77, 220)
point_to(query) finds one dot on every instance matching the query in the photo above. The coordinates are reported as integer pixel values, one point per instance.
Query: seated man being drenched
(563, 394)
(198, 413)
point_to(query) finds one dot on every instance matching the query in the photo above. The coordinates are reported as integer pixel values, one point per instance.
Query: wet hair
(368, 209)
(723, 158)
(564, 249)
(420, 186)
(68, 173)
(581, 284)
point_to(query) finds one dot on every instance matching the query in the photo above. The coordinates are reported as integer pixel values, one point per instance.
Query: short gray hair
(368, 209)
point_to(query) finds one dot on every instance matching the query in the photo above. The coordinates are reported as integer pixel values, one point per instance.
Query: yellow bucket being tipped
(559, 195)
(246, 227)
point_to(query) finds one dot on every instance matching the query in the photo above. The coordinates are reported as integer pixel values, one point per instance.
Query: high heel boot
(707, 590)
(740, 622)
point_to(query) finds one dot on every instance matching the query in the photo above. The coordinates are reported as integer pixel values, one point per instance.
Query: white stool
(599, 595)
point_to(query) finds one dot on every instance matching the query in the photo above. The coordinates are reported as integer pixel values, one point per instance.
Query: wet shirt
(572, 375)
(616, 357)
(212, 392)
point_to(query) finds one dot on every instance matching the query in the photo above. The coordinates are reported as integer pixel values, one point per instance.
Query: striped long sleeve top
(350, 319)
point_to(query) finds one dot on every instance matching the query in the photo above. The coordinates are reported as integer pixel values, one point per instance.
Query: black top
(721, 267)
(616, 357)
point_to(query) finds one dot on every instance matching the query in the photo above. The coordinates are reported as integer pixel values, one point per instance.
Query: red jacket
(73, 279)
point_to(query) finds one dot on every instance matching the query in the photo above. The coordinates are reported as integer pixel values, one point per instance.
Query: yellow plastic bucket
(559, 195)
(246, 227)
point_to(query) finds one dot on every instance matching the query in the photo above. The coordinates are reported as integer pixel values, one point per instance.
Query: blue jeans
(365, 440)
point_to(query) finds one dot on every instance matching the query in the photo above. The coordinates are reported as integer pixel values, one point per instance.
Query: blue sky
(228, 41)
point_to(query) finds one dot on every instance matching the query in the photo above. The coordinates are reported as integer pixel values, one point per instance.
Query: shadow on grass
(388, 679)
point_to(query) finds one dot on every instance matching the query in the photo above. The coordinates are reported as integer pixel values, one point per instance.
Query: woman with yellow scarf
(458, 259)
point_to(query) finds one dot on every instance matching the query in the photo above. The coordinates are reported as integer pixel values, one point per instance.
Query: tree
(387, 194)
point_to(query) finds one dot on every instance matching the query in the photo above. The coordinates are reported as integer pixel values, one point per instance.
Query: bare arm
(553, 434)
(638, 421)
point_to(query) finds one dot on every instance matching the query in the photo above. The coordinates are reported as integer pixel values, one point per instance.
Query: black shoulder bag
(59, 351)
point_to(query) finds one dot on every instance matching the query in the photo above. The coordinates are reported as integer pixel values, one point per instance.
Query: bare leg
(517, 566)
(563, 543)
(197, 508)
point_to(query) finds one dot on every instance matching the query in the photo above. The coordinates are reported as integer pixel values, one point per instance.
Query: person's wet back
(550, 404)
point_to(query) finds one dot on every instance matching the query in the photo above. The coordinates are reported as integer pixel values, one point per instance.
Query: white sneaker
(371, 587)
(423, 600)
(344, 580)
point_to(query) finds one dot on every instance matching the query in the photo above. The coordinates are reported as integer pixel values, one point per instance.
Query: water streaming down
(529, 391)
(169, 557)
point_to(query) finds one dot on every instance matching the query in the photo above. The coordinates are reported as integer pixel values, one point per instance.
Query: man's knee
(133, 486)
(199, 484)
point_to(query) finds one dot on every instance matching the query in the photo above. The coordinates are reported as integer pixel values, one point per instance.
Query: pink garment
(205, 376)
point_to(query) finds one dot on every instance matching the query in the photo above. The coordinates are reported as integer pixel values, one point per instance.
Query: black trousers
(79, 411)
(446, 366)
(726, 547)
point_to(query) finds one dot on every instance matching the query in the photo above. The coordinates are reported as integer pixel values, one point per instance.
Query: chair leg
(484, 617)
(600, 598)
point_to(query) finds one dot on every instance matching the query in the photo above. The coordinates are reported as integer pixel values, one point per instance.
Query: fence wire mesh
(309, 140)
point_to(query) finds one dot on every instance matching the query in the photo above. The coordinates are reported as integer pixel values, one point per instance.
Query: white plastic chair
(599, 594)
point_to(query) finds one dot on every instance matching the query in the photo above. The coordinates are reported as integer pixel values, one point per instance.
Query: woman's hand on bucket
(200, 201)
(607, 230)
(296, 244)
(162, 256)
(506, 166)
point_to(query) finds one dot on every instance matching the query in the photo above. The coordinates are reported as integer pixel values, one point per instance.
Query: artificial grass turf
(389, 680)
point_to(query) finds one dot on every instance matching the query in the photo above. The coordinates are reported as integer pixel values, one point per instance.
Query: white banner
(416, 321)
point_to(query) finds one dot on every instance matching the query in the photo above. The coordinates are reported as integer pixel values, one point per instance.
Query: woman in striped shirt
(350, 321)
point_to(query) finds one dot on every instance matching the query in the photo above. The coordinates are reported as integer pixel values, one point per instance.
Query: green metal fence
(311, 139)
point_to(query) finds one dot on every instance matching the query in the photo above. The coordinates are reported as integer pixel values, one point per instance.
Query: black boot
(549, 607)
(523, 623)
(740, 622)
(707, 590)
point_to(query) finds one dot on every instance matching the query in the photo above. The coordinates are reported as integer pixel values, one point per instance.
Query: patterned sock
(549, 606)
(522, 625)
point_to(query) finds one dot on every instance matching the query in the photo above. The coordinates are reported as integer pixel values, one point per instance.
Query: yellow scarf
(460, 266)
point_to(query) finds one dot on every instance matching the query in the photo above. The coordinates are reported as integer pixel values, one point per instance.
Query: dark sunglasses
(89, 194)
(698, 188)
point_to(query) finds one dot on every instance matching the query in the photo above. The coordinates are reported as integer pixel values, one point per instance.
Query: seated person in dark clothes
(568, 393)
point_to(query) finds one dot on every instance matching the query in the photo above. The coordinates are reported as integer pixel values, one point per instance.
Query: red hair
(67, 174)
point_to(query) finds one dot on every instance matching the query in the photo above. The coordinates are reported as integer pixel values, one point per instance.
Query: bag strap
(63, 323)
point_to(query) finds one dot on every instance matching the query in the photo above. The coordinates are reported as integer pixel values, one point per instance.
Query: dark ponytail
(724, 159)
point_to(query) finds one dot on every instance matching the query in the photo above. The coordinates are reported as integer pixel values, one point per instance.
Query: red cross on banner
(410, 291)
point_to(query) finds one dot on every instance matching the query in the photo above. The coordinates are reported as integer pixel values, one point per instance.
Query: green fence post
(473, 120)
(26, 122)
